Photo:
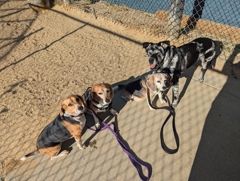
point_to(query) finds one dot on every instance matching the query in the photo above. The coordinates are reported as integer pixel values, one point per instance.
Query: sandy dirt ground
(48, 55)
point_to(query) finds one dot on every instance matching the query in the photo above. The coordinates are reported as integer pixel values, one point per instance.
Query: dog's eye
(159, 81)
(69, 105)
(77, 99)
(100, 93)
(107, 91)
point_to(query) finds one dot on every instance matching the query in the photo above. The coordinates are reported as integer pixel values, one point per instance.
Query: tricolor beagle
(69, 123)
(99, 99)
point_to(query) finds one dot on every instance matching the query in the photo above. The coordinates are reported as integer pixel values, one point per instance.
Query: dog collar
(76, 118)
(102, 107)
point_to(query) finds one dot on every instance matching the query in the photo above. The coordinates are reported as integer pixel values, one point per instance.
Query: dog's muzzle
(80, 108)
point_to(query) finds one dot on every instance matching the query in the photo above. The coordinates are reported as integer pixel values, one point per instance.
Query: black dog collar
(104, 107)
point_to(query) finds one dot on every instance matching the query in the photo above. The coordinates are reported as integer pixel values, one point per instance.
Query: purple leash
(132, 158)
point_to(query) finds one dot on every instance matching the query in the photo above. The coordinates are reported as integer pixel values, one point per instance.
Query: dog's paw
(163, 101)
(126, 98)
(114, 112)
(152, 109)
(201, 80)
(82, 147)
(174, 104)
(63, 153)
(97, 125)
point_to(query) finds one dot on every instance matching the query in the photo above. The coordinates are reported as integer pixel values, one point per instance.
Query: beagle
(99, 99)
(156, 83)
(69, 123)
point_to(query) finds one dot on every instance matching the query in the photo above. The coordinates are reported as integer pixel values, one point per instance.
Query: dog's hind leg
(205, 63)
(203, 71)
(63, 153)
(53, 152)
(206, 60)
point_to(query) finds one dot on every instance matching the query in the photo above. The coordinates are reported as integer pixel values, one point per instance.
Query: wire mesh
(177, 20)
(31, 96)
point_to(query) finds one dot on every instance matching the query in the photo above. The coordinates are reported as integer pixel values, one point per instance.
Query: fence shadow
(217, 156)
(119, 104)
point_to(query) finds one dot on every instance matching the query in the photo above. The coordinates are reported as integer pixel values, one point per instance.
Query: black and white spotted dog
(161, 56)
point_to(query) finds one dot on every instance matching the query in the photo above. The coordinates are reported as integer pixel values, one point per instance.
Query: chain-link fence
(39, 67)
(178, 20)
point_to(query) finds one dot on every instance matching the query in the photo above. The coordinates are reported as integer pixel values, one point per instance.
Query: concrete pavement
(207, 122)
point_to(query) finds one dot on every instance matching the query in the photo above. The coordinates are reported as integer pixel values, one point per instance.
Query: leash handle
(132, 158)
(171, 113)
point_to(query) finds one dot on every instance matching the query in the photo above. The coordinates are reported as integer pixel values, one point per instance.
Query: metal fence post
(175, 17)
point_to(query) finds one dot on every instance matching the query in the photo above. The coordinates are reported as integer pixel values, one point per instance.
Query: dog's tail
(118, 87)
(29, 154)
(219, 45)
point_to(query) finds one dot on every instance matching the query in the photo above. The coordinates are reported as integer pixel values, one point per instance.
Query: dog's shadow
(188, 74)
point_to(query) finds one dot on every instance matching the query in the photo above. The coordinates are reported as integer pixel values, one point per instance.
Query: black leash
(171, 113)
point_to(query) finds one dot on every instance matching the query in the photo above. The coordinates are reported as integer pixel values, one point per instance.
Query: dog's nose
(108, 100)
(151, 60)
(164, 87)
(80, 108)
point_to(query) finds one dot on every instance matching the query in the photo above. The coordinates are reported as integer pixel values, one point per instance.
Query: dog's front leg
(175, 94)
(77, 134)
(79, 143)
(113, 111)
(97, 123)
(152, 97)
(161, 98)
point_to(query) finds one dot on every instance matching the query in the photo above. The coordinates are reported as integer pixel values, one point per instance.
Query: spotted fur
(177, 59)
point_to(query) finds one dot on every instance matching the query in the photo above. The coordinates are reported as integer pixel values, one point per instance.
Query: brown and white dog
(69, 123)
(99, 99)
(157, 83)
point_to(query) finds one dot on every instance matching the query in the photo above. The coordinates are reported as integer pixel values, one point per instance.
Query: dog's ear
(146, 44)
(165, 70)
(164, 44)
(94, 92)
(168, 77)
(91, 94)
(82, 100)
(110, 89)
(62, 110)
(111, 92)
(150, 82)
